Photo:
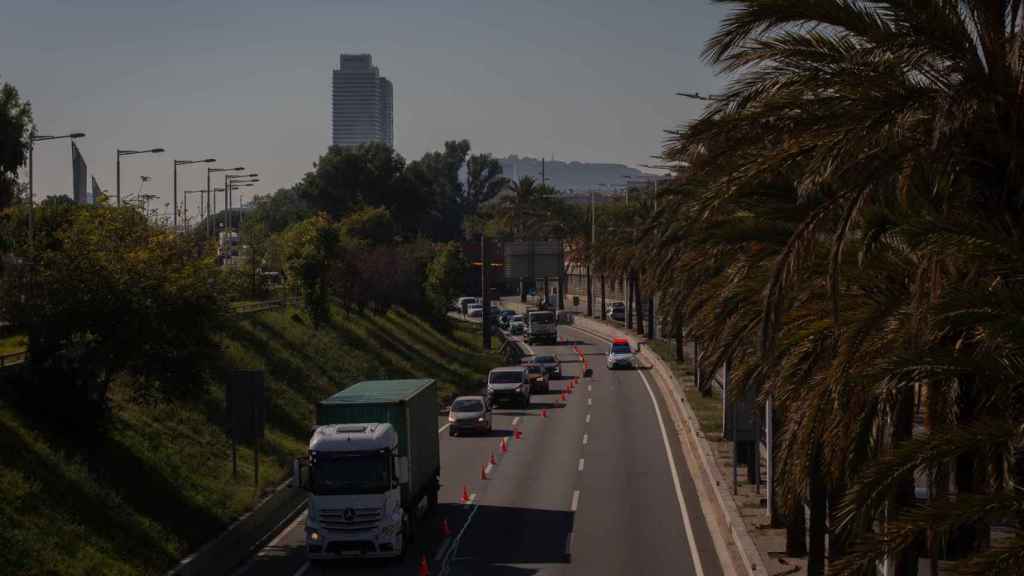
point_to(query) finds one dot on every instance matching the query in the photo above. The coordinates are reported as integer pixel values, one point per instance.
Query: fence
(12, 359)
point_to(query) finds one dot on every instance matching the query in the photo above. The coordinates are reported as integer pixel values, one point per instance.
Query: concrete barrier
(245, 536)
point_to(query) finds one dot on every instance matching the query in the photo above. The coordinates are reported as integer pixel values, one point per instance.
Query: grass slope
(162, 484)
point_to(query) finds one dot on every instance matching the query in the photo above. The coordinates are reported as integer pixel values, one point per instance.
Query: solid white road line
(588, 418)
(277, 539)
(575, 500)
(442, 549)
(303, 569)
(580, 468)
(584, 439)
(443, 428)
(697, 566)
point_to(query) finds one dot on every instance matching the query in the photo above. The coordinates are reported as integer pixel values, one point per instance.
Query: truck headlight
(314, 536)
(451, 417)
(480, 419)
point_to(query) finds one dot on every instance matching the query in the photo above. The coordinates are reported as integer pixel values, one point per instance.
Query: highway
(594, 487)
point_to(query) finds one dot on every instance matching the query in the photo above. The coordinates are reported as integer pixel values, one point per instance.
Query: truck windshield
(350, 472)
(542, 318)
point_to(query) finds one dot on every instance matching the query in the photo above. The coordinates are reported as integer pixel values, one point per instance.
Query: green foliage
(309, 250)
(15, 130)
(279, 210)
(445, 277)
(373, 226)
(107, 295)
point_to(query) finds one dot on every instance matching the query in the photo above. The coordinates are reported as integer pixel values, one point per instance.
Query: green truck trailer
(373, 468)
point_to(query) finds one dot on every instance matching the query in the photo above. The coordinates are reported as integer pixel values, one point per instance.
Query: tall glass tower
(363, 103)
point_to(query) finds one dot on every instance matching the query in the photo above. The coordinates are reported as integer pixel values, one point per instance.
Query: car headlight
(313, 536)
(451, 417)
(480, 419)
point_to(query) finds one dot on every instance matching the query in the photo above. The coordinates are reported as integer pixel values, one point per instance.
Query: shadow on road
(500, 535)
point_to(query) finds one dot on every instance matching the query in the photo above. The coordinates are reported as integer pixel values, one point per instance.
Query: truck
(373, 469)
(541, 326)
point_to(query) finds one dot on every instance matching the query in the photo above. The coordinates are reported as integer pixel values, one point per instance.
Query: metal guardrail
(12, 359)
(249, 307)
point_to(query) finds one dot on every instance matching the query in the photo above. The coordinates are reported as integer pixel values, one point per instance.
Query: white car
(621, 355)
(474, 311)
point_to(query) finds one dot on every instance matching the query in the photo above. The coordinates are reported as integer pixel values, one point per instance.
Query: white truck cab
(355, 499)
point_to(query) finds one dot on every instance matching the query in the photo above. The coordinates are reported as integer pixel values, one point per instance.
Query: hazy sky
(248, 82)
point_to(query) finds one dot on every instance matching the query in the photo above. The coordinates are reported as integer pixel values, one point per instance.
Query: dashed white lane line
(515, 421)
(584, 439)
(588, 418)
(694, 554)
(443, 428)
(575, 500)
(488, 469)
(590, 388)
(580, 468)
(303, 569)
(590, 402)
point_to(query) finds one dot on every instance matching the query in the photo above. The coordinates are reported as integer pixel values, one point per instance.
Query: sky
(248, 81)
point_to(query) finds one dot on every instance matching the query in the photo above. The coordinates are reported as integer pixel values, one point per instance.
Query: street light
(229, 180)
(174, 198)
(31, 188)
(130, 153)
(210, 210)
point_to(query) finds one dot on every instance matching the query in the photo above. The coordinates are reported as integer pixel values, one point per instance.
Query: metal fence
(12, 359)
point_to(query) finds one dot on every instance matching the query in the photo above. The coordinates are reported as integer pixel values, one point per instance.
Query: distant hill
(576, 176)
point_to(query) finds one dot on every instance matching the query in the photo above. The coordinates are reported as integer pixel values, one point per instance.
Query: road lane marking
(575, 500)
(588, 418)
(303, 569)
(590, 402)
(488, 469)
(515, 421)
(584, 439)
(568, 545)
(443, 428)
(581, 465)
(442, 549)
(279, 537)
(697, 566)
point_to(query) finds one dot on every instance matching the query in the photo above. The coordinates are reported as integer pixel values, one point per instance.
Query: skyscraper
(362, 103)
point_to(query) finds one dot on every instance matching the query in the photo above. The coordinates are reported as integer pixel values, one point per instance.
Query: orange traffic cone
(493, 461)
(483, 472)
(504, 445)
(465, 494)
(424, 569)
(544, 412)
(445, 531)
(519, 434)
(561, 398)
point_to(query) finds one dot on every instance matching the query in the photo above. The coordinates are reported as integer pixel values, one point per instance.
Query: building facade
(362, 103)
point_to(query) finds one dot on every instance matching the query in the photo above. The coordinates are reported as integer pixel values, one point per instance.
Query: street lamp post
(130, 153)
(229, 180)
(33, 138)
(210, 210)
(174, 199)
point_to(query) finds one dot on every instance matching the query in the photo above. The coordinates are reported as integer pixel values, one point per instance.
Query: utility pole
(484, 292)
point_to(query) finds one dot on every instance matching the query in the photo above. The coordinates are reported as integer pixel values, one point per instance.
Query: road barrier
(12, 359)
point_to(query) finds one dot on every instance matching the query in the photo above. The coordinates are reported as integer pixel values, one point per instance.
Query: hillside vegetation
(160, 485)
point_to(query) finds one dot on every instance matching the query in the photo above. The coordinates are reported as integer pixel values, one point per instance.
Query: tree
(310, 249)
(106, 295)
(371, 225)
(445, 276)
(15, 131)
(485, 182)
(347, 178)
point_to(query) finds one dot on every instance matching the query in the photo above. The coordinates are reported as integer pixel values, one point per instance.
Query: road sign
(534, 259)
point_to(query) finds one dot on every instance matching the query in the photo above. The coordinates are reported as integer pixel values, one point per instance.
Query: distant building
(362, 103)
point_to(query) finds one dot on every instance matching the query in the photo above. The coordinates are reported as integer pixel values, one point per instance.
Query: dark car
(505, 318)
(538, 376)
(469, 414)
(551, 365)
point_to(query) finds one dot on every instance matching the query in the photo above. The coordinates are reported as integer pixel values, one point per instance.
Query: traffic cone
(445, 531)
(519, 434)
(504, 445)
(465, 494)
(424, 569)
(483, 472)
(544, 412)
(561, 398)
(493, 461)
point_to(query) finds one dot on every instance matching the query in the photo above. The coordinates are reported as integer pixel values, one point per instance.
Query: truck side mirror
(402, 469)
(300, 474)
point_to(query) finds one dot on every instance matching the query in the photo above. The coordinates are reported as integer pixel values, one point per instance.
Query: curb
(706, 477)
(244, 536)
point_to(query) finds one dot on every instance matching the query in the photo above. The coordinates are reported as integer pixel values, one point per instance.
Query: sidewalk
(752, 547)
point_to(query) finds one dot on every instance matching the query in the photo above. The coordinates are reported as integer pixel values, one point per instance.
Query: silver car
(469, 414)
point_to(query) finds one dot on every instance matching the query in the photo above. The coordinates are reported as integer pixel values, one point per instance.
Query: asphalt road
(588, 489)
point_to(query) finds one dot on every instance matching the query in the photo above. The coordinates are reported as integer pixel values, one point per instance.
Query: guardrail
(249, 307)
(12, 359)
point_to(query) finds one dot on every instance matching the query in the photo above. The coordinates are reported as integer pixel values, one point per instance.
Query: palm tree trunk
(905, 560)
(818, 495)
(677, 328)
(836, 540)
(970, 538)
(628, 297)
(639, 304)
(604, 303)
(590, 295)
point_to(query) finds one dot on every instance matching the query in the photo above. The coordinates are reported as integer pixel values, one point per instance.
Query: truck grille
(349, 519)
